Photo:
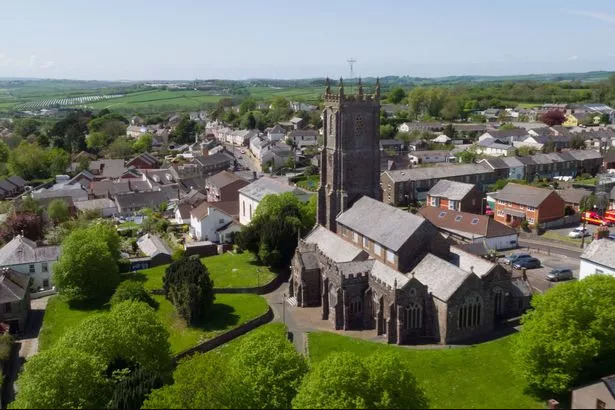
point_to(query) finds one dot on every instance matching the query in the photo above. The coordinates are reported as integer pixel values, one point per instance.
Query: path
(552, 247)
(26, 346)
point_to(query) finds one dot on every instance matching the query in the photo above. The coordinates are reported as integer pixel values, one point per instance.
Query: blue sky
(187, 39)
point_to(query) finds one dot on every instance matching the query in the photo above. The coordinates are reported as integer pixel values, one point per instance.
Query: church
(369, 265)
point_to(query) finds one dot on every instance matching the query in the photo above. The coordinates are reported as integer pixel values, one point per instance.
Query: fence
(570, 220)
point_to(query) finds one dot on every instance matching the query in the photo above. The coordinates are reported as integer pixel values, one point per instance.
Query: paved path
(26, 346)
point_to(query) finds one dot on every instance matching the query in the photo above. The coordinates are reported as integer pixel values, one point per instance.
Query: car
(579, 232)
(559, 274)
(612, 237)
(526, 263)
(509, 260)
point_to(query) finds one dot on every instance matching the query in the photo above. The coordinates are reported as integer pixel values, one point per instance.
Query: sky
(190, 39)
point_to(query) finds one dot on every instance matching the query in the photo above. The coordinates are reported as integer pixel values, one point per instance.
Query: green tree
(450, 109)
(87, 268)
(62, 378)
(28, 161)
(466, 157)
(143, 143)
(58, 211)
(96, 141)
(4, 151)
(24, 127)
(587, 202)
(120, 148)
(387, 131)
(396, 95)
(525, 151)
(280, 109)
(185, 131)
(187, 285)
(568, 336)
(247, 105)
(248, 121)
(577, 142)
(57, 161)
(132, 290)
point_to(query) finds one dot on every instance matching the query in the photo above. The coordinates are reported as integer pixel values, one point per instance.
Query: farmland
(63, 102)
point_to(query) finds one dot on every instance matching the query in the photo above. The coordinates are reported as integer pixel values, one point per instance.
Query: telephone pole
(351, 62)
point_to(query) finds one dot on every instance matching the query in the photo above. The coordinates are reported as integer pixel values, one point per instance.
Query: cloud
(48, 64)
(596, 15)
(572, 58)
(5, 60)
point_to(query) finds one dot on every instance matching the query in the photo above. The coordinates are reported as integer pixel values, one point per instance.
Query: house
(428, 157)
(507, 136)
(573, 196)
(589, 161)
(107, 168)
(506, 167)
(391, 145)
(608, 162)
(494, 148)
(186, 204)
(207, 218)
(417, 145)
(251, 195)
(63, 189)
(598, 395)
(26, 256)
(224, 187)
(300, 106)
(491, 114)
(408, 185)
(515, 203)
(135, 131)
(104, 206)
(470, 228)
(303, 138)
(261, 149)
(275, 133)
(598, 258)
(143, 161)
(240, 137)
(156, 251)
(456, 196)
(211, 164)
(135, 201)
(420, 126)
(14, 299)
(297, 122)
(442, 139)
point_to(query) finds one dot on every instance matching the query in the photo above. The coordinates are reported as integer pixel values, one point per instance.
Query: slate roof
(442, 278)
(17, 181)
(573, 195)
(466, 224)
(111, 168)
(306, 133)
(6, 185)
(142, 199)
(162, 176)
(264, 186)
(471, 263)
(277, 129)
(609, 381)
(601, 252)
(523, 194)
(451, 190)
(334, 247)
(13, 286)
(388, 275)
(145, 157)
(102, 188)
(382, 223)
(22, 250)
(417, 174)
(152, 245)
(310, 260)
(223, 178)
(95, 204)
(582, 155)
(218, 158)
(231, 208)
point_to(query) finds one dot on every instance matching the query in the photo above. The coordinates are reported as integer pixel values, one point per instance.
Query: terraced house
(515, 203)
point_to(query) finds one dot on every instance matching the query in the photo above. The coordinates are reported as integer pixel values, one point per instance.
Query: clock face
(358, 126)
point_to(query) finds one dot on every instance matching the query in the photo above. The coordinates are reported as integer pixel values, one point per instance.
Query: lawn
(228, 270)
(228, 312)
(556, 236)
(309, 183)
(480, 376)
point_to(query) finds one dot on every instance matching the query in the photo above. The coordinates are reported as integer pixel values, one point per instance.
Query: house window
(45, 283)
(531, 209)
(221, 220)
(452, 205)
(435, 202)
(365, 242)
(377, 249)
(521, 207)
(32, 270)
(501, 213)
(7, 308)
(390, 256)
(44, 267)
(458, 218)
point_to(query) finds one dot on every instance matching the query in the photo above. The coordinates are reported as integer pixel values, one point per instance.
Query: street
(245, 159)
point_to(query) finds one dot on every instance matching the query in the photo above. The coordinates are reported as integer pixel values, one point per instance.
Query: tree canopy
(396, 95)
(29, 223)
(31, 161)
(569, 335)
(58, 211)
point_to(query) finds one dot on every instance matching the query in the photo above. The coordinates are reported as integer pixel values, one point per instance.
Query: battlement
(354, 97)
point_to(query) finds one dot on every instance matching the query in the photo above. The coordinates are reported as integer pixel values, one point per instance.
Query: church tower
(350, 158)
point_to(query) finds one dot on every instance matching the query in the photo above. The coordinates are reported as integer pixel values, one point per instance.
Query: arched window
(498, 301)
(413, 316)
(469, 314)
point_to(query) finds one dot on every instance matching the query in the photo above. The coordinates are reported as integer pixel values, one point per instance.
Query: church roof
(389, 275)
(442, 278)
(382, 223)
(333, 246)
(471, 263)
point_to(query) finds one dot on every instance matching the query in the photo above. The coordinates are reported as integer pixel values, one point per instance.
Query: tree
(396, 95)
(57, 161)
(187, 285)
(549, 146)
(272, 233)
(587, 202)
(132, 290)
(62, 378)
(144, 143)
(525, 151)
(4, 151)
(450, 110)
(280, 109)
(449, 131)
(553, 117)
(96, 141)
(248, 121)
(24, 127)
(577, 142)
(568, 335)
(387, 131)
(466, 157)
(28, 161)
(247, 105)
(58, 211)
(27, 223)
(185, 131)
(120, 148)
(87, 269)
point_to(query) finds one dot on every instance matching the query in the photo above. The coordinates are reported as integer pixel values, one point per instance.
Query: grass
(587, 181)
(480, 376)
(309, 183)
(228, 270)
(159, 99)
(556, 236)
(228, 312)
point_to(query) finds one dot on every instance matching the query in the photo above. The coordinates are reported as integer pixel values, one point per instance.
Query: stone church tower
(350, 158)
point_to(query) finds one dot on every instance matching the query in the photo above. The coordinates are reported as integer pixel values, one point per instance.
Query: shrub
(132, 290)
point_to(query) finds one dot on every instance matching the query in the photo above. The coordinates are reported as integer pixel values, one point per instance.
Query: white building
(251, 195)
(105, 206)
(494, 148)
(429, 157)
(240, 137)
(135, 131)
(275, 133)
(442, 139)
(25, 256)
(207, 218)
(303, 138)
(598, 258)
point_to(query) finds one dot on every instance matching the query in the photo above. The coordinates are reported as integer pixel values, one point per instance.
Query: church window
(498, 301)
(390, 256)
(469, 314)
(414, 317)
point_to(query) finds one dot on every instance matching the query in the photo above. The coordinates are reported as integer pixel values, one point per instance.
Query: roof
(451, 190)
(143, 199)
(13, 285)
(218, 158)
(309, 260)
(224, 178)
(392, 142)
(609, 381)
(513, 132)
(21, 250)
(101, 188)
(277, 129)
(601, 252)
(471, 263)
(573, 195)
(582, 155)
(152, 245)
(424, 154)
(334, 247)
(442, 278)
(466, 224)
(389, 226)
(264, 186)
(310, 133)
(108, 168)
(162, 176)
(17, 181)
(388, 275)
(523, 194)
(417, 174)
(231, 208)
(145, 157)
(94, 204)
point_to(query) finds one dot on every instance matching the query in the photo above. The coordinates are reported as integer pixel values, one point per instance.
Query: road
(281, 312)
(244, 160)
(550, 247)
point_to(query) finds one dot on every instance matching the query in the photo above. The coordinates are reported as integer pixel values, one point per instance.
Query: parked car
(559, 274)
(579, 232)
(509, 260)
(527, 263)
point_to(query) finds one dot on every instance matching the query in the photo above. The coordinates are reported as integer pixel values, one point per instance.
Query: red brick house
(455, 196)
(515, 202)
(144, 161)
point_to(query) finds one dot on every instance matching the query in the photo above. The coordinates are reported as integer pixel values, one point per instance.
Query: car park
(509, 260)
(559, 274)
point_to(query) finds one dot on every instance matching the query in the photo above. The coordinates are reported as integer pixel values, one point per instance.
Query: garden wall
(260, 290)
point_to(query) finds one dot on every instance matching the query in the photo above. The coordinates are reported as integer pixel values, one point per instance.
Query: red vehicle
(610, 216)
(594, 218)
(489, 212)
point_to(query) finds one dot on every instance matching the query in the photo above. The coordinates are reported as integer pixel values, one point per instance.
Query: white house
(303, 138)
(261, 149)
(207, 218)
(429, 157)
(494, 148)
(404, 127)
(25, 256)
(251, 195)
(135, 131)
(442, 139)
(105, 206)
(598, 258)
(275, 133)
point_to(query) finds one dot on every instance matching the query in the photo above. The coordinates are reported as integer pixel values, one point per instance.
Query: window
(7, 308)
(474, 221)
(32, 270)
(521, 207)
(442, 214)
(250, 210)
(529, 208)
(390, 256)
(44, 267)
(365, 242)
(452, 205)
(501, 213)
(377, 249)
(243, 204)
(435, 202)
(600, 404)
(413, 317)
(501, 202)
(355, 237)
(45, 283)
(469, 314)
(221, 220)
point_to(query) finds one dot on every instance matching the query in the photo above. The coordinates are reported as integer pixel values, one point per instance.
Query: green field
(307, 94)
(159, 100)
(229, 270)
(480, 376)
(228, 312)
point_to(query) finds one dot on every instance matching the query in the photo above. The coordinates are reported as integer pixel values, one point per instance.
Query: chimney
(254, 175)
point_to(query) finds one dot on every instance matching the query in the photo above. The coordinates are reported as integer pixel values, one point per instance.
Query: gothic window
(413, 317)
(469, 314)
(358, 126)
(498, 301)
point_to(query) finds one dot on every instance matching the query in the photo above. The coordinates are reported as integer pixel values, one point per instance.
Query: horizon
(149, 41)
